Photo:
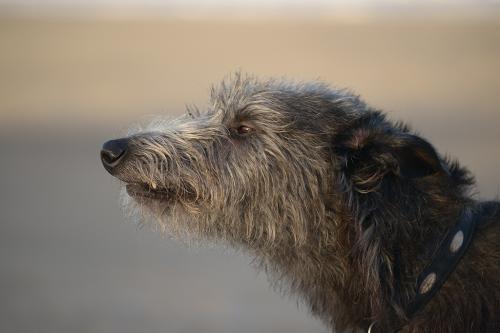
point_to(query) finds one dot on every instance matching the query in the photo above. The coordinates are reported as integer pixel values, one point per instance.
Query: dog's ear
(415, 157)
(401, 153)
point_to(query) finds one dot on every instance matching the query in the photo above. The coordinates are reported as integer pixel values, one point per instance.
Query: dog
(352, 212)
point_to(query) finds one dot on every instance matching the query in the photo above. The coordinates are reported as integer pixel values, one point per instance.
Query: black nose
(112, 153)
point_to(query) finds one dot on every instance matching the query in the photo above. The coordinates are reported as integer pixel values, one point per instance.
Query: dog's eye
(243, 130)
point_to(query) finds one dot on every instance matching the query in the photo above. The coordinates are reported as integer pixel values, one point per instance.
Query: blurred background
(76, 73)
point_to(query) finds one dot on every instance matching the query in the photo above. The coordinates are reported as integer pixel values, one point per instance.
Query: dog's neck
(363, 267)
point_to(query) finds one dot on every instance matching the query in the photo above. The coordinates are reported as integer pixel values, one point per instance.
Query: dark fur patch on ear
(383, 151)
(416, 157)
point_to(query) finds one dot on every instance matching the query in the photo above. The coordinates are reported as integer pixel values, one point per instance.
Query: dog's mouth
(144, 191)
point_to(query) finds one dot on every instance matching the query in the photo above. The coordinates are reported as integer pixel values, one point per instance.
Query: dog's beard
(181, 220)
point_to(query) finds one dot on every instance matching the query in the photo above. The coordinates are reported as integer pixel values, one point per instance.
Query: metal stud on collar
(428, 283)
(457, 241)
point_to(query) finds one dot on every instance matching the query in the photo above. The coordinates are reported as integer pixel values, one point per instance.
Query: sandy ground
(69, 262)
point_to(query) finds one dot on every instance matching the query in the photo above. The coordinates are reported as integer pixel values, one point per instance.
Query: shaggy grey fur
(338, 204)
(259, 190)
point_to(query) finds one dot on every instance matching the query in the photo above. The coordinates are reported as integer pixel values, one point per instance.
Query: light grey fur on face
(242, 189)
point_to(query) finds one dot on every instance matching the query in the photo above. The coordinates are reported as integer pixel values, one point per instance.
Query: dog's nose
(112, 153)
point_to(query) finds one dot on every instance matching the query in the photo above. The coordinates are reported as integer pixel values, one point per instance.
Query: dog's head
(262, 161)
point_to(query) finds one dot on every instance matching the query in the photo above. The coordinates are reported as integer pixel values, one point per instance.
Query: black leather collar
(444, 261)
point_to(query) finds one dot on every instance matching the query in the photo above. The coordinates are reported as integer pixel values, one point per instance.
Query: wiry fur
(336, 202)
